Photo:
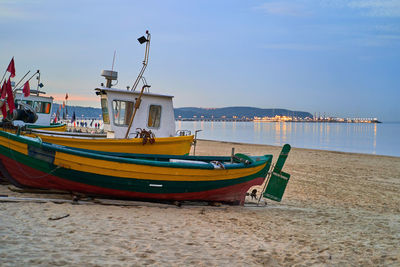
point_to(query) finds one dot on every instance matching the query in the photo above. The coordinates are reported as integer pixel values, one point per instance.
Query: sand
(339, 209)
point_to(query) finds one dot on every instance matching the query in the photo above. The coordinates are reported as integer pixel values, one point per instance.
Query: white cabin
(155, 113)
(41, 104)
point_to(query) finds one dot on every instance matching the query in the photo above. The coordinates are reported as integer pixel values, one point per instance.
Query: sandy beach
(339, 209)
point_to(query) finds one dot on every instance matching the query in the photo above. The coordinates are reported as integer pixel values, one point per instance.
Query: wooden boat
(176, 145)
(56, 127)
(42, 106)
(28, 162)
(116, 123)
(127, 114)
(155, 114)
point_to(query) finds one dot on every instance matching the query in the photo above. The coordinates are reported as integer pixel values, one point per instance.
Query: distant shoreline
(251, 120)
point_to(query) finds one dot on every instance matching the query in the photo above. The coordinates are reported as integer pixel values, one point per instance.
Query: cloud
(59, 97)
(296, 47)
(19, 10)
(284, 8)
(381, 40)
(372, 8)
(7, 12)
(378, 8)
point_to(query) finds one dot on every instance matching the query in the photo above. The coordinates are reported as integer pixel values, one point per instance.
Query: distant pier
(283, 119)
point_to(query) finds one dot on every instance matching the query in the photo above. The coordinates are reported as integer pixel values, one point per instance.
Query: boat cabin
(155, 113)
(41, 104)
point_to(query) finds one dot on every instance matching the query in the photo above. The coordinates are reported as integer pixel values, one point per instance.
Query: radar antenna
(146, 58)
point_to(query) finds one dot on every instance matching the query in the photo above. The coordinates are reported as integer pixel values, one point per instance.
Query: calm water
(380, 139)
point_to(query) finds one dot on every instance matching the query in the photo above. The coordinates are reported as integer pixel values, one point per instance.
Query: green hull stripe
(34, 126)
(132, 160)
(128, 184)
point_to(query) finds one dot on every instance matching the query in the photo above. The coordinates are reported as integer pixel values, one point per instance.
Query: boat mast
(137, 105)
(146, 58)
(40, 85)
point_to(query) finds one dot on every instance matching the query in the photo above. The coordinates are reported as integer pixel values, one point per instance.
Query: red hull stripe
(34, 178)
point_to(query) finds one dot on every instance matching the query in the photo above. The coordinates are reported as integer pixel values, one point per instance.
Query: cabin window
(45, 107)
(38, 106)
(154, 116)
(28, 102)
(41, 107)
(104, 110)
(122, 112)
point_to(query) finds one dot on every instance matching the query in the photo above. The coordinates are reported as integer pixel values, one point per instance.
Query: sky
(333, 57)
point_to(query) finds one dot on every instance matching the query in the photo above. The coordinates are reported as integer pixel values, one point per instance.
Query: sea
(368, 138)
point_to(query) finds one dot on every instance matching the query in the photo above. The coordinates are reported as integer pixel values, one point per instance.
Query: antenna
(110, 75)
(112, 67)
(146, 58)
(145, 83)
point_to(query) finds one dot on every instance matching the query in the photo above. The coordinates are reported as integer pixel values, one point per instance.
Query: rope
(148, 136)
(21, 166)
(266, 182)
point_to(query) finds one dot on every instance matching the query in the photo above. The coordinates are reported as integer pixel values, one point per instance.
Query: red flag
(63, 104)
(55, 118)
(10, 96)
(27, 89)
(66, 96)
(4, 110)
(3, 96)
(11, 68)
(3, 90)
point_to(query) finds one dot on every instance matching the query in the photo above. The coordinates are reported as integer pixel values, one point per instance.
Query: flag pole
(12, 70)
(137, 105)
(21, 79)
(3, 76)
(30, 77)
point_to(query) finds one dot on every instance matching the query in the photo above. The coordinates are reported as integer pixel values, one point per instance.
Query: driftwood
(112, 202)
(58, 218)
(41, 200)
(37, 191)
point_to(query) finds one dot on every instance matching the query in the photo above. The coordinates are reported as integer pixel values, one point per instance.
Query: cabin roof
(124, 91)
(20, 96)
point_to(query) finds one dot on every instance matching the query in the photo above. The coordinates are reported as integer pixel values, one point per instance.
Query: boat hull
(179, 145)
(57, 127)
(94, 174)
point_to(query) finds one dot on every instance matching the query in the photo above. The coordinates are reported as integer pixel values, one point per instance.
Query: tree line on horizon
(190, 112)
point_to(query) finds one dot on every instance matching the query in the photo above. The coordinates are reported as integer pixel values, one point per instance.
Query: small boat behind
(29, 162)
(135, 121)
(175, 145)
(42, 106)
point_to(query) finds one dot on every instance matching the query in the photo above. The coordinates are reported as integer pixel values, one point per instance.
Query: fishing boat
(42, 106)
(33, 111)
(175, 145)
(29, 162)
(145, 128)
(39, 105)
(135, 121)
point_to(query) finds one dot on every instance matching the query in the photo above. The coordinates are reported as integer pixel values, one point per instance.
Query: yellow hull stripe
(14, 145)
(169, 145)
(55, 129)
(146, 172)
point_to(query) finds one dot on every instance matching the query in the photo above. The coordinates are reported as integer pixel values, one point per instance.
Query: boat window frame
(127, 119)
(37, 105)
(43, 108)
(148, 117)
(105, 110)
